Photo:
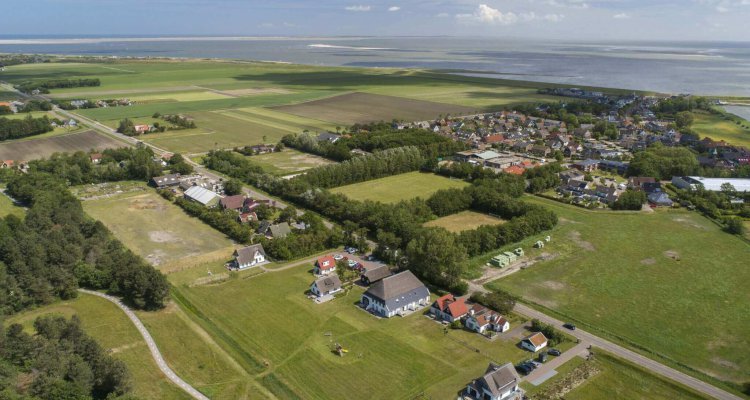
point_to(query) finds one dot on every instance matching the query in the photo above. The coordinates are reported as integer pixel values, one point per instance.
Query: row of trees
(315, 238)
(60, 362)
(45, 86)
(224, 221)
(19, 128)
(56, 248)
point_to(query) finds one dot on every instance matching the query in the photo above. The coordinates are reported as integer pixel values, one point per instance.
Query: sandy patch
(575, 236)
(146, 204)
(648, 261)
(687, 222)
(162, 237)
(554, 285)
(725, 363)
(567, 221)
(125, 347)
(673, 254)
(156, 258)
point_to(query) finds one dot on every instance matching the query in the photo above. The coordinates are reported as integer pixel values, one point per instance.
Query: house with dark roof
(659, 199)
(398, 294)
(165, 181)
(326, 285)
(328, 137)
(232, 202)
(372, 275)
(534, 342)
(324, 265)
(499, 382)
(449, 308)
(250, 256)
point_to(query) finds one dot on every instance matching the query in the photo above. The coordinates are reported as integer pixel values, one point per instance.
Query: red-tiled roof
(325, 263)
(457, 308)
(515, 170)
(537, 339)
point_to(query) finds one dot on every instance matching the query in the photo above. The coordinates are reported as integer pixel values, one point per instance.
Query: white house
(499, 382)
(481, 319)
(534, 342)
(326, 285)
(397, 294)
(448, 308)
(325, 265)
(249, 256)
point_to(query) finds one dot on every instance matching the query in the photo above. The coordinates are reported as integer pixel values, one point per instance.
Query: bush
(554, 337)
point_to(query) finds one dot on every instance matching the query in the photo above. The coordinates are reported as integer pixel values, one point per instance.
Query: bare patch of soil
(554, 285)
(673, 254)
(162, 237)
(575, 236)
(648, 261)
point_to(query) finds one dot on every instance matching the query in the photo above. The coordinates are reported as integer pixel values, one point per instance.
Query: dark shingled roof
(397, 290)
(328, 283)
(232, 202)
(377, 273)
(246, 255)
(498, 379)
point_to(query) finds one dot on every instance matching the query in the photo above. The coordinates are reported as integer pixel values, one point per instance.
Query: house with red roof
(324, 265)
(235, 202)
(448, 308)
(481, 319)
(534, 342)
(515, 170)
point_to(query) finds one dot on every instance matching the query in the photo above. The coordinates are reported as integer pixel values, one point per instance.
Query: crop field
(113, 331)
(44, 147)
(294, 341)
(288, 161)
(718, 127)
(646, 278)
(464, 221)
(395, 188)
(358, 107)
(154, 229)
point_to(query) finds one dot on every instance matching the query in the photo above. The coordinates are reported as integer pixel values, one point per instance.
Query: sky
(536, 19)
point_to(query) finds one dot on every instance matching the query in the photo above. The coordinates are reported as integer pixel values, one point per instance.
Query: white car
(352, 263)
(338, 257)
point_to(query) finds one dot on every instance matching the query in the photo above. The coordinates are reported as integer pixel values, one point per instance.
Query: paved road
(577, 350)
(151, 346)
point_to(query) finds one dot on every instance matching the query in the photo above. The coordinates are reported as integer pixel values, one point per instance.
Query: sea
(706, 68)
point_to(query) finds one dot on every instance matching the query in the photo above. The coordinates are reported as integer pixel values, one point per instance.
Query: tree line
(45, 86)
(60, 361)
(19, 128)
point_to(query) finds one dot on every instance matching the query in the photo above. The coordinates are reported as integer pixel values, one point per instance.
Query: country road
(155, 353)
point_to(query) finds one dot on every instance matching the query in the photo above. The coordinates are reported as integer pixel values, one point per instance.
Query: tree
(630, 200)
(684, 119)
(435, 255)
(728, 189)
(233, 187)
(735, 226)
(126, 127)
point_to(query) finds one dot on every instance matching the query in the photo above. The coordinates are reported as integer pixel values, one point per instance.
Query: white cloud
(443, 15)
(394, 8)
(487, 14)
(567, 3)
(532, 16)
(358, 8)
(621, 16)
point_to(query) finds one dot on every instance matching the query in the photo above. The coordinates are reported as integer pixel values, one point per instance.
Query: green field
(288, 161)
(293, 343)
(399, 187)
(464, 221)
(668, 281)
(156, 230)
(114, 331)
(719, 127)
(7, 207)
(41, 146)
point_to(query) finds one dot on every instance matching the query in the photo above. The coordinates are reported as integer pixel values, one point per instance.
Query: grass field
(679, 292)
(288, 161)
(154, 229)
(30, 149)
(718, 127)
(464, 221)
(399, 187)
(114, 331)
(292, 344)
(358, 107)
(7, 207)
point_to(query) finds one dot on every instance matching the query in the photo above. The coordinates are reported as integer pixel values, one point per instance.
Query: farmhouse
(326, 285)
(325, 265)
(534, 342)
(140, 129)
(398, 294)
(482, 319)
(372, 275)
(232, 202)
(448, 308)
(249, 256)
(497, 383)
(202, 196)
(165, 181)
(96, 158)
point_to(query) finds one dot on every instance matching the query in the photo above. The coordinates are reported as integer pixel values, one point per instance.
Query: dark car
(554, 352)
(569, 326)
(542, 357)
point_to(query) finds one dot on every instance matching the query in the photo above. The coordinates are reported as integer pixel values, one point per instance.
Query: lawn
(293, 342)
(114, 331)
(719, 127)
(464, 221)
(288, 161)
(395, 188)
(39, 147)
(359, 107)
(669, 281)
(156, 230)
(7, 207)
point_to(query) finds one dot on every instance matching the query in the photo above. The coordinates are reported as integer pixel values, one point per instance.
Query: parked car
(352, 263)
(570, 326)
(351, 250)
(542, 357)
(554, 352)
(338, 257)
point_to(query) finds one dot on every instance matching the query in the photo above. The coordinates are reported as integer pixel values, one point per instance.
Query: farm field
(154, 229)
(464, 221)
(359, 107)
(288, 161)
(718, 128)
(395, 188)
(412, 353)
(648, 294)
(114, 331)
(26, 150)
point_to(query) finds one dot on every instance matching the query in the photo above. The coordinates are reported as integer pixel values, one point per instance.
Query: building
(203, 196)
(279, 230)
(586, 165)
(372, 275)
(710, 184)
(141, 129)
(326, 285)
(499, 382)
(166, 181)
(397, 294)
(96, 158)
(324, 265)
(659, 199)
(328, 137)
(481, 319)
(250, 256)
(232, 202)
(448, 308)
(534, 342)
